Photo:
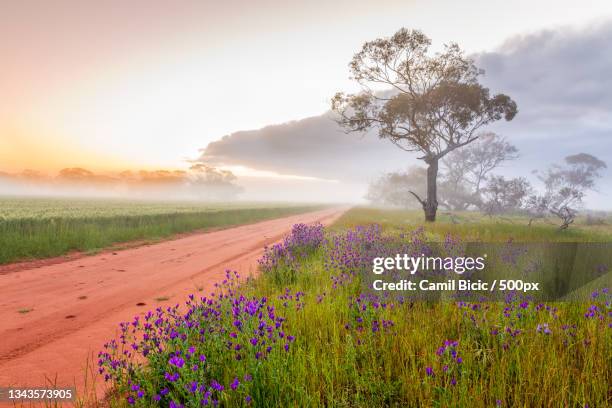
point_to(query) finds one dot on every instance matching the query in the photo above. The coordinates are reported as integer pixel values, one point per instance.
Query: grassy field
(38, 228)
(305, 334)
(472, 226)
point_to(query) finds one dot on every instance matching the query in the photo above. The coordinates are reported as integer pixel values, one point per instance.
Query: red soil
(74, 307)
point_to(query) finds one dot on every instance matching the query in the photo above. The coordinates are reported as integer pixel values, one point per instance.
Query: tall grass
(335, 363)
(351, 349)
(85, 228)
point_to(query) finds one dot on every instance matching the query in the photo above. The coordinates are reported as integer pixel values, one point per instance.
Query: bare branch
(418, 198)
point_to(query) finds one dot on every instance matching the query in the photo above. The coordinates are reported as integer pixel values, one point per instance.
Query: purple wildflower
(171, 377)
(176, 361)
(216, 386)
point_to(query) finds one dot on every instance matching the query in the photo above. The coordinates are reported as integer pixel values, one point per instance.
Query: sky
(153, 84)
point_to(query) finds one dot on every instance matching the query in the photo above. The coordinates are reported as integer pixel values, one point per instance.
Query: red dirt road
(55, 318)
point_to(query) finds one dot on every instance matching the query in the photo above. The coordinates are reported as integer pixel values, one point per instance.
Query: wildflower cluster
(353, 251)
(188, 350)
(366, 313)
(283, 259)
(448, 365)
(601, 307)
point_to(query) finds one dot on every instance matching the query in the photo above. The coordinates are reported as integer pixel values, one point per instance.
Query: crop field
(39, 228)
(304, 332)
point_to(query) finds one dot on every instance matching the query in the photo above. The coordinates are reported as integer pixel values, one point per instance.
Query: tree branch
(417, 197)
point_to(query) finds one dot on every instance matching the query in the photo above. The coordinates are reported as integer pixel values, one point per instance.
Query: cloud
(559, 78)
(312, 147)
(561, 82)
(561, 74)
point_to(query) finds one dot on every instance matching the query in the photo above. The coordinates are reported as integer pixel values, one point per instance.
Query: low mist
(200, 183)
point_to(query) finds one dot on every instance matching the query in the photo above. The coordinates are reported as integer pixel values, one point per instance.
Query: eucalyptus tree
(430, 103)
(565, 186)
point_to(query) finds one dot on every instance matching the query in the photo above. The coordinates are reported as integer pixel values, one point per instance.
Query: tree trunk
(430, 206)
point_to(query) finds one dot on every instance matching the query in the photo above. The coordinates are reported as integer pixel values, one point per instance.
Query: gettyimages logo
(411, 264)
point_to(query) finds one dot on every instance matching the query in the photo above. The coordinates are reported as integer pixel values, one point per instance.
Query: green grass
(39, 228)
(331, 364)
(475, 227)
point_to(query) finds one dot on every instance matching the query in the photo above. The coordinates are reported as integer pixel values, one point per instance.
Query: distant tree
(162, 177)
(565, 187)
(435, 104)
(214, 183)
(457, 196)
(33, 175)
(501, 195)
(463, 174)
(78, 175)
(395, 188)
(29, 176)
(128, 175)
(465, 171)
(75, 173)
(536, 206)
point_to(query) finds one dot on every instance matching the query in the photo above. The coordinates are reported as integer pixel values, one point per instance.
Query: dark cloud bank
(315, 147)
(561, 80)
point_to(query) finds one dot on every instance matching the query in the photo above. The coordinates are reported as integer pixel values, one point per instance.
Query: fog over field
(200, 182)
